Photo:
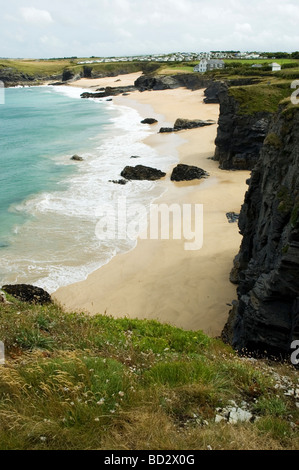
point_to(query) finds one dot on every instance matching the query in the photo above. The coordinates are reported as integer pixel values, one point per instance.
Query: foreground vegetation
(76, 382)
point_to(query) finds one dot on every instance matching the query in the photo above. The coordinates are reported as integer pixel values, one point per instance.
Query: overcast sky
(58, 28)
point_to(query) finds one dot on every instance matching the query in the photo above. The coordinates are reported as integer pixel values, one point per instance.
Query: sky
(66, 28)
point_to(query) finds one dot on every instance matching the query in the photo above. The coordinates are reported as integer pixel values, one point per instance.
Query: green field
(261, 61)
(43, 69)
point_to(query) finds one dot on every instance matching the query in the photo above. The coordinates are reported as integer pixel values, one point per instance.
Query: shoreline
(158, 279)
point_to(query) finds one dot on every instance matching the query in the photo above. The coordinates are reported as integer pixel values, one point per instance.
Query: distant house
(275, 67)
(209, 64)
(256, 66)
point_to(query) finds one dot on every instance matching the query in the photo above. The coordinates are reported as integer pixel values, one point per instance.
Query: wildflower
(43, 438)
(97, 419)
(101, 401)
(121, 394)
(112, 411)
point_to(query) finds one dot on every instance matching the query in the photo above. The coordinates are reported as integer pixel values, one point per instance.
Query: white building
(209, 64)
(275, 67)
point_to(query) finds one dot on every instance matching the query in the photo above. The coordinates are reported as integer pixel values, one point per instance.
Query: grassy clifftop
(22, 70)
(76, 382)
(264, 97)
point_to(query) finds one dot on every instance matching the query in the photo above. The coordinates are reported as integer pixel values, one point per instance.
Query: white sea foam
(59, 237)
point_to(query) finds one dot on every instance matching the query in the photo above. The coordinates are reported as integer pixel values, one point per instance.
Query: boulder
(121, 181)
(28, 293)
(76, 158)
(108, 91)
(166, 129)
(182, 124)
(141, 172)
(187, 173)
(149, 121)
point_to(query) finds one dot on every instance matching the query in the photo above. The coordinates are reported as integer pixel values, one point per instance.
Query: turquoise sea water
(49, 204)
(38, 126)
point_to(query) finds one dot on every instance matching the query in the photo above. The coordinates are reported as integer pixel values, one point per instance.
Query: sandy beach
(159, 279)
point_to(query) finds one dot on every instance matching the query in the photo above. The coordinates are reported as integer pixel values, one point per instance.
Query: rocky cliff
(239, 136)
(191, 81)
(266, 315)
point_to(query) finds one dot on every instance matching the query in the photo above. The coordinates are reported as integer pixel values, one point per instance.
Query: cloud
(243, 28)
(35, 16)
(129, 27)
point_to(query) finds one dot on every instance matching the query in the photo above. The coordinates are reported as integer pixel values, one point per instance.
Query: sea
(49, 204)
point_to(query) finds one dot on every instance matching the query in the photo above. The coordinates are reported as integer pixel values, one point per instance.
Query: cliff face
(239, 136)
(266, 316)
(163, 82)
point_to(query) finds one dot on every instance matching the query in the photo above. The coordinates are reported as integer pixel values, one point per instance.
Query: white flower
(97, 419)
(121, 394)
(43, 438)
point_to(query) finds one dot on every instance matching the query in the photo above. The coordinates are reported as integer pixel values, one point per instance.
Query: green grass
(260, 61)
(42, 69)
(71, 381)
(37, 67)
(261, 97)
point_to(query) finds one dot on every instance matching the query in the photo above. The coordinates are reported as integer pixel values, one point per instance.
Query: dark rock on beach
(121, 181)
(184, 124)
(28, 293)
(108, 91)
(76, 158)
(181, 124)
(232, 217)
(149, 121)
(166, 129)
(141, 172)
(187, 173)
